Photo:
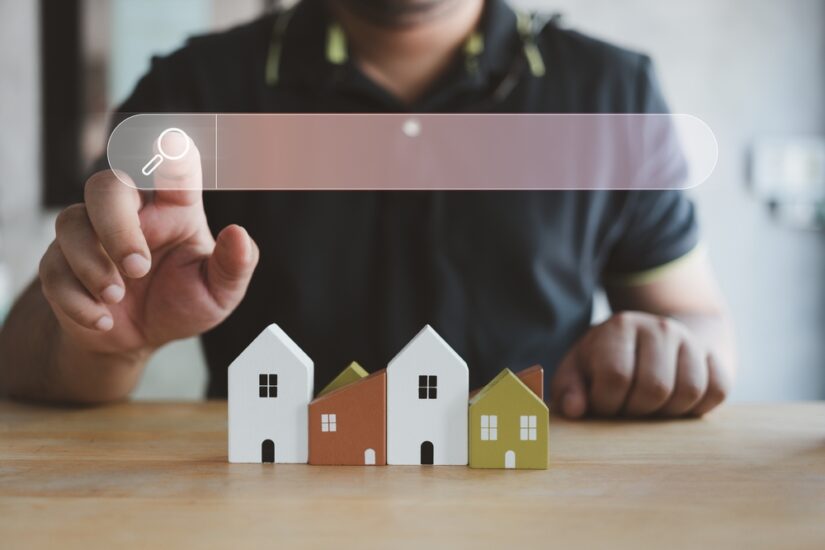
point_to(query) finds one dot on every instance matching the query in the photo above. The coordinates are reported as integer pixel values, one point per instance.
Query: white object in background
(5, 292)
(270, 387)
(427, 393)
(789, 169)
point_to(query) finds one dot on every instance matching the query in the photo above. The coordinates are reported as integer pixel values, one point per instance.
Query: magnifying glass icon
(159, 157)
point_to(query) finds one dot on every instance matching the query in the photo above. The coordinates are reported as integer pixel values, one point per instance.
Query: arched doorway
(510, 459)
(427, 452)
(267, 451)
(369, 457)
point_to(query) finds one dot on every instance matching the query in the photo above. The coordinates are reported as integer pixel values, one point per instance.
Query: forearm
(38, 361)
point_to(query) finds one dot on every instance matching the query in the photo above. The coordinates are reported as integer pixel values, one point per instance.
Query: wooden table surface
(155, 475)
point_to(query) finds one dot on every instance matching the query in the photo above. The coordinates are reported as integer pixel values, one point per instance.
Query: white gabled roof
(274, 338)
(426, 341)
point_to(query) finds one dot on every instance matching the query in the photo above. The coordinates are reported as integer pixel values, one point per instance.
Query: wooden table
(155, 475)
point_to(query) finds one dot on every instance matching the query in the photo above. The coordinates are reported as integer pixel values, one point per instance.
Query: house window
(427, 386)
(489, 427)
(268, 385)
(528, 428)
(328, 423)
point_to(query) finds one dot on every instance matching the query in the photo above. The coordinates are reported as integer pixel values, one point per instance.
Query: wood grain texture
(155, 475)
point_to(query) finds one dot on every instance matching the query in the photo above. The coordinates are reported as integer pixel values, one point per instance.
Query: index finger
(179, 177)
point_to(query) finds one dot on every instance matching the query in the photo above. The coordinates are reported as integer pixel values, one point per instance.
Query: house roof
(274, 336)
(505, 377)
(358, 385)
(352, 373)
(427, 340)
(533, 378)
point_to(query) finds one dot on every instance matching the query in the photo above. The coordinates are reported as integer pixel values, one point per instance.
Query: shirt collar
(314, 51)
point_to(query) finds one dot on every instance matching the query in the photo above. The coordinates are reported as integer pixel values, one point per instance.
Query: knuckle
(622, 320)
(68, 216)
(666, 325)
(617, 374)
(691, 392)
(49, 268)
(655, 389)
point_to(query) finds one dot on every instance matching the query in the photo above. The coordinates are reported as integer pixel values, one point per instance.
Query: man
(507, 278)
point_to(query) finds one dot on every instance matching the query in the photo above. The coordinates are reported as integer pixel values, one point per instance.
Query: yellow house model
(508, 426)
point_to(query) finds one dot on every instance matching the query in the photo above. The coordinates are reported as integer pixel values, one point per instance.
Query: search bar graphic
(423, 151)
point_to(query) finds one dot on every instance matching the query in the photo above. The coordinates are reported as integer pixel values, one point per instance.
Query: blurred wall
(19, 133)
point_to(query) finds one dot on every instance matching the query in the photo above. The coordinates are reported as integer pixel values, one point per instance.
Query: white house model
(270, 387)
(427, 387)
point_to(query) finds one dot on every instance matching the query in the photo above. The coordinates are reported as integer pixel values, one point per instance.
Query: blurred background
(754, 70)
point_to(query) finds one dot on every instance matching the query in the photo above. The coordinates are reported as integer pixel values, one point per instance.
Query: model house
(348, 425)
(427, 388)
(352, 373)
(270, 387)
(533, 378)
(508, 425)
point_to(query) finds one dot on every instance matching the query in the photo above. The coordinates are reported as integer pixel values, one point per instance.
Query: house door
(369, 457)
(510, 459)
(427, 452)
(267, 451)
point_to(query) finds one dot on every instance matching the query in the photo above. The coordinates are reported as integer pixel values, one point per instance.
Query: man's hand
(129, 270)
(639, 364)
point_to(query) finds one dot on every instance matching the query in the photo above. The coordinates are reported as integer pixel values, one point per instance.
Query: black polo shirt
(507, 278)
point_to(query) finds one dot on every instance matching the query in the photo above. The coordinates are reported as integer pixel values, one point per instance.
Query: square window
(328, 423)
(489, 432)
(267, 385)
(427, 386)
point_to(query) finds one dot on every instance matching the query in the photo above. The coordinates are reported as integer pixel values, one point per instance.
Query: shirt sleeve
(657, 227)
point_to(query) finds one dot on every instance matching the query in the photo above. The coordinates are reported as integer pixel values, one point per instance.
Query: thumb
(230, 267)
(568, 388)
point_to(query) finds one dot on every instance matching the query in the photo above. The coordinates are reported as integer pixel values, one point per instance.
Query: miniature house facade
(508, 425)
(269, 389)
(348, 425)
(427, 388)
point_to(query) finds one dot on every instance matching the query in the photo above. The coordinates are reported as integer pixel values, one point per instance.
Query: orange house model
(348, 426)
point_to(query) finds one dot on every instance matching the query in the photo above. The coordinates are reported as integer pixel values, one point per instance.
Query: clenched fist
(132, 270)
(637, 364)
